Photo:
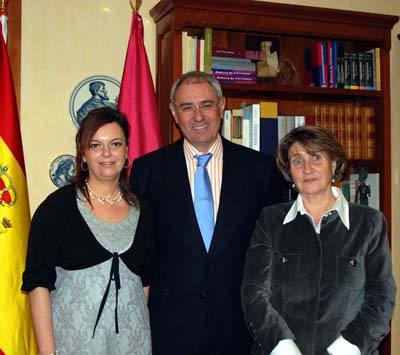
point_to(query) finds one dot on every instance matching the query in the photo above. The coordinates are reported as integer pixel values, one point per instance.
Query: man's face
(197, 112)
(102, 92)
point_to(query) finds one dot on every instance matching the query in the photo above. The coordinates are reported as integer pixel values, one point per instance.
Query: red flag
(137, 99)
(16, 329)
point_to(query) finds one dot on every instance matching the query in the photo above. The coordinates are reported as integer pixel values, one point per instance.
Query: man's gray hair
(196, 77)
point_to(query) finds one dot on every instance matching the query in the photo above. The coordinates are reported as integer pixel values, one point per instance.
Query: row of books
(352, 124)
(234, 70)
(328, 64)
(193, 52)
(226, 65)
(260, 127)
(254, 126)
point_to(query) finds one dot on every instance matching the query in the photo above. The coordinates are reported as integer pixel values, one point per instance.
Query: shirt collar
(340, 205)
(216, 149)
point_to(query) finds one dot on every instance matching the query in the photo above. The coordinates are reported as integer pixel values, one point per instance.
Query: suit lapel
(227, 202)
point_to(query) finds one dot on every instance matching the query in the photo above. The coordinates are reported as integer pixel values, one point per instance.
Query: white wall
(65, 41)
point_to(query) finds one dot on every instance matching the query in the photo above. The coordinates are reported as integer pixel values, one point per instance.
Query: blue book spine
(269, 134)
(335, 63)
(324, 76)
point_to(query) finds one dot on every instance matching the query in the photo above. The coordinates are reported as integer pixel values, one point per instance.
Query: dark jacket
(190, 286)
(313, 288)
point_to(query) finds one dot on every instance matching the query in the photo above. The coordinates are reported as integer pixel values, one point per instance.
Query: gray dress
(76, 302)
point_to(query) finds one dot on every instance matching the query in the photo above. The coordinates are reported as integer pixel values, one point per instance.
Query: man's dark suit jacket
(189, 286)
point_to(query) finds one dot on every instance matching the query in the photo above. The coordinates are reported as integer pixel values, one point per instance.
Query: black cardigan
(59, 236)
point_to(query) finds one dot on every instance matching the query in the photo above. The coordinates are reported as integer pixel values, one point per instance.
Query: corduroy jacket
(312, 287)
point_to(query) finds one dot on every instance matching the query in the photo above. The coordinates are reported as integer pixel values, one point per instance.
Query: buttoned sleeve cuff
(342, 346)
(286, 347)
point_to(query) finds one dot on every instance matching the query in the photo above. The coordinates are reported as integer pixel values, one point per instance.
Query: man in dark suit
(194, 297)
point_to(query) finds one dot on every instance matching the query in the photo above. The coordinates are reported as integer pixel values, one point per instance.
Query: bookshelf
(296, 27)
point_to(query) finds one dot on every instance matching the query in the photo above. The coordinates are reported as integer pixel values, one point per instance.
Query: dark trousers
(207, 344)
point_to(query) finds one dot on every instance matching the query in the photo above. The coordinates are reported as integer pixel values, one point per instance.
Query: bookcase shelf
(231, 89)
(296, 27)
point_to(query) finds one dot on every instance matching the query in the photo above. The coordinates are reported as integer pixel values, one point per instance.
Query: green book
(207, 49)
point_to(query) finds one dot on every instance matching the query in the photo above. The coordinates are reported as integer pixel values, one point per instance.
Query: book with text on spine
(269, 127)
(253, 113)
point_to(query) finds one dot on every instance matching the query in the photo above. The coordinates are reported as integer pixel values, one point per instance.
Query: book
(230, 60)
(201, 54)
(319, 64)
(299, 121)
(369, 57)
(234, 75)
(268, 127)
(333, 118)
(252, 114)
(233, 72)
(325, 117)
(361, 71)
(342, 126)
(340, 65)
(226, 129)
(233, 66)
(310, 120)
(354, 71)
(196, 52)
(247, 126)
(358, 148)
(332, 63)
(282, 127)
(207, 49)
(184, 51)
(317, 115)
(189, 53)
(290, 123)
(373, 182)
(347, 70)
(378, 68)
(369, 119)
(349, 114)
(236, 53)
(256, 126)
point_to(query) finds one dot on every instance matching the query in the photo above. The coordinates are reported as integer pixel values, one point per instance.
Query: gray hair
(196, 77)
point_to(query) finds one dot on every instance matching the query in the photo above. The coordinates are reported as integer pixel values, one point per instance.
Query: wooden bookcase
(295, 27)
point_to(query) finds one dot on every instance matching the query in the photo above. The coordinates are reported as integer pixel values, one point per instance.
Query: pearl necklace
(102, 199)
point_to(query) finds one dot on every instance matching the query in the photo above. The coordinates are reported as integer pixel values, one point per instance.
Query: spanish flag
(16, 329)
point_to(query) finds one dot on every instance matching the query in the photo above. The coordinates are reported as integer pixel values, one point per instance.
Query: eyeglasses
(204, 107)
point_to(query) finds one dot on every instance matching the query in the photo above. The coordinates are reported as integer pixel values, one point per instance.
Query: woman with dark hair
(318, 276)
(89, 253)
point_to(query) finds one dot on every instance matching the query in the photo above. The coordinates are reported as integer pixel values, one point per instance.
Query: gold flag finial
(3, 4)
(135, 4)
